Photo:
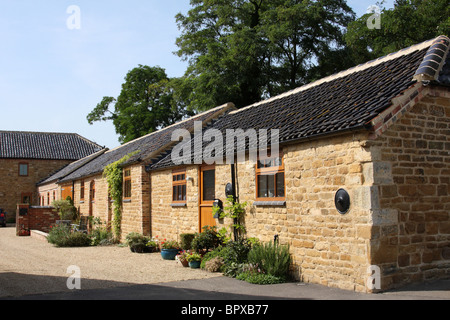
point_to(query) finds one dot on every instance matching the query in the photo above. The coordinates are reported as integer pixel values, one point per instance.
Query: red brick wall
(37, 218)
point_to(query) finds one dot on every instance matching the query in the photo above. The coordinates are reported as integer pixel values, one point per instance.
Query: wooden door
(66, 191)
(207, 192)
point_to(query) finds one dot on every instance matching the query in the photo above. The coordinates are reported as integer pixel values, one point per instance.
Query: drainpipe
(233, 183)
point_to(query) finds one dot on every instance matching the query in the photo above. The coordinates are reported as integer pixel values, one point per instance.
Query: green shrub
(233, 269)
(101, 236)
(78, 239)
(62, 236)
(57, 234)
(65, 209)
(137, 242)
(259, 278)
(272, 258)
(206, 240)
(220, 252)
(237, 251)
(186, 240)
(234, 256)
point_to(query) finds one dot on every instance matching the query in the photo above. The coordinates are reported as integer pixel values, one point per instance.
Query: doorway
(207, 190)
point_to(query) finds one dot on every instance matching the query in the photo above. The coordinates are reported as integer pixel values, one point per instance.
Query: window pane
(278, 162)
(262, 186)
(266, 186)
(23, 169)
(271, 185)
(174, 194)
(209, 192)
(183, 192)
(280, 184)
(127, 189)
(179, 193)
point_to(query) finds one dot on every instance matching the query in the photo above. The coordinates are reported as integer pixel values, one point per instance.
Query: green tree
(408, 23)
(146, 103)
(303, 37)
(244, 50)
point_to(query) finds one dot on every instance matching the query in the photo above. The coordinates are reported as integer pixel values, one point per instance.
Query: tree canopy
(408, 23)
(243, 51)
(146, 103)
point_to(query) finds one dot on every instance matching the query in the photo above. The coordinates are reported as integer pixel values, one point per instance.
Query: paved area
(223, 288)
(40, 281)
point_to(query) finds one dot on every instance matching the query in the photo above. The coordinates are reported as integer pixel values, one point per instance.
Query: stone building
(28, 157)
(90, 189)
(360, 188)
(378, 133)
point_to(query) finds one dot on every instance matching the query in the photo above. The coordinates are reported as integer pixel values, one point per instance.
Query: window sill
(126, 200)
(270, 203)
(81, 201)
(178, 205)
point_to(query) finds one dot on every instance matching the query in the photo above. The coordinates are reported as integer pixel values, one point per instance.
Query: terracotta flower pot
(184, 263)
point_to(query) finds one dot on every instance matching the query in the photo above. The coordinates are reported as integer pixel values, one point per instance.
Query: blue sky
(51, 77)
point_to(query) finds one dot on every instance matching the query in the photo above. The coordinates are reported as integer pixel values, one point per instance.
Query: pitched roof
(148, 147)
(45, 145)
(70, 168)
(345, 101)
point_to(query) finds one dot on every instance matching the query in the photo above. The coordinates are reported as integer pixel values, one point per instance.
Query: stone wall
(169, 221)
(327, 247)
(399, 186)
(135, 211)
(12, 186)
(99, 206)
(413, 241)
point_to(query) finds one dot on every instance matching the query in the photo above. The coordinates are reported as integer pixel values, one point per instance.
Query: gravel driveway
(32, 266)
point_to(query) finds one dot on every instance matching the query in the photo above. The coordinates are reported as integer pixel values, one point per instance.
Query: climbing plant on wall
(236, 211)
(114, 177)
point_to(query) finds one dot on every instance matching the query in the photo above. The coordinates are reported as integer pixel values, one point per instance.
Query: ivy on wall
(114, 177)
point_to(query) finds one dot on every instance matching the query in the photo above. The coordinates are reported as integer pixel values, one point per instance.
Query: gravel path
(32, 266)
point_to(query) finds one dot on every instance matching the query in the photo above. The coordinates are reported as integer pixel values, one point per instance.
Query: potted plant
(137, 242)
(169, 249)
(194, 259)
(152, 245)
(181, 257)
(23, 232)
